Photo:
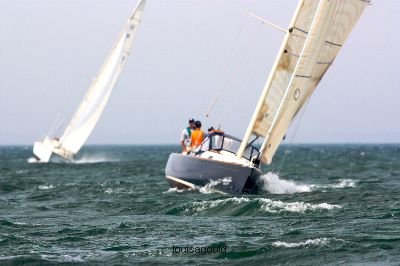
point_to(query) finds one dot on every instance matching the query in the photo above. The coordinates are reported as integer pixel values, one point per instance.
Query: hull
(48, 148)
(185, 171)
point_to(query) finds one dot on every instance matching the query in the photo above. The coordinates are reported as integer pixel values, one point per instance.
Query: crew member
(186, 136)
(197, 135)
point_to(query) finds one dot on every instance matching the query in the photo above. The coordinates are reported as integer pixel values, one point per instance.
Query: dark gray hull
(184, 171)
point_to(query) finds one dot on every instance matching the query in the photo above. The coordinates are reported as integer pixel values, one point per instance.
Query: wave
(308, 243)
(272, 183)
(46, 187)
(248, 206)
(279, 206)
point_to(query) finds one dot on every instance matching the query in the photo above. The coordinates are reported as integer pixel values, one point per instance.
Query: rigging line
(220, 91)
(225, 69)
(231, 103)
(303, 111)
(267, 22)
(245, 60)
(53, 126)
(59, 127)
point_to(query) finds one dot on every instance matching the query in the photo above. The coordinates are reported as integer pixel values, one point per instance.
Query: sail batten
(316, 34)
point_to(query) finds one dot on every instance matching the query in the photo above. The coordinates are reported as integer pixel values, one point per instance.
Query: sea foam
(87, 159)
(273, 184)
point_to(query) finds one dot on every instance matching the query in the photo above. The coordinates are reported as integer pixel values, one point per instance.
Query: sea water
(319, 204)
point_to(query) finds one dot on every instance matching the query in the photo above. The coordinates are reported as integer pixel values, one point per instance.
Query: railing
(221, 142)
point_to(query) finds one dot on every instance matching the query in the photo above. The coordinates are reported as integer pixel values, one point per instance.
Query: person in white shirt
(186, 136)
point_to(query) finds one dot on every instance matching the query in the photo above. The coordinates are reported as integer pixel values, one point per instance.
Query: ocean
(319, 205)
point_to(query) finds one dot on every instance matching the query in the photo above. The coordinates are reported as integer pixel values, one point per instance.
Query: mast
(267, 86)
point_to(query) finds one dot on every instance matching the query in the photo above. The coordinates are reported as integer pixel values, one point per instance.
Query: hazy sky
(185, 51)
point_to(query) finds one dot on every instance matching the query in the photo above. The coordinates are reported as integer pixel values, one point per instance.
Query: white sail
(92, 106)
(317, 32)
(95, 100)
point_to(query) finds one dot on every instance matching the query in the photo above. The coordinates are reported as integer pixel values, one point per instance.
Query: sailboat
(88, 113)
(315, 35)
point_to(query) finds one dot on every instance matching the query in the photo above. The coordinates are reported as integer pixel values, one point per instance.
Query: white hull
(43, 150)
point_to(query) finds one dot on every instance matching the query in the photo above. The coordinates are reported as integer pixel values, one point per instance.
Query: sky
(184, 53)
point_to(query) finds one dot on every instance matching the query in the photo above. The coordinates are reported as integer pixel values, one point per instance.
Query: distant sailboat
(315, 35)
(96, 98)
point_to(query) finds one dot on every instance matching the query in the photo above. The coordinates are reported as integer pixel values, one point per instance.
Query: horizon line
(177, 144)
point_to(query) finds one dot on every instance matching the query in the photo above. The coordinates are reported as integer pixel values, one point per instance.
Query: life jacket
(197, 137)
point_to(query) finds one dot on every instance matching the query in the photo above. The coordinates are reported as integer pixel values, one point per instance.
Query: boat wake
(342, 183)
(87, 159)
(271, 183)
(248, 206)
(33, 160)
(177, 190)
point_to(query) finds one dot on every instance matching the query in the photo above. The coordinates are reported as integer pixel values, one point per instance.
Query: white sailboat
(314, 37)
(88, 113)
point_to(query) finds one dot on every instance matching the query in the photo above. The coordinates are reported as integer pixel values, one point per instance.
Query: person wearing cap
(209, 131)
(197, 135)
(186, 136)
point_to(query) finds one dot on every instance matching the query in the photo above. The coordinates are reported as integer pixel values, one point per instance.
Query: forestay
(95, 100)
(315, 36)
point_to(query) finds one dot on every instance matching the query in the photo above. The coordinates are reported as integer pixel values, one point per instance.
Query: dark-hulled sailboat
(314, 37)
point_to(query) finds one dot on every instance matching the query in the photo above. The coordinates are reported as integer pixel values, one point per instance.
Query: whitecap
(109, 191)
(46, 187)
(62, 258)
(69, 258)
(308, 243)
(274, 206)
(264, 204)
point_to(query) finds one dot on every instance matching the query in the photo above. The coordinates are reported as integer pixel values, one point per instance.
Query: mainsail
(316, 33)
(96, 98)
